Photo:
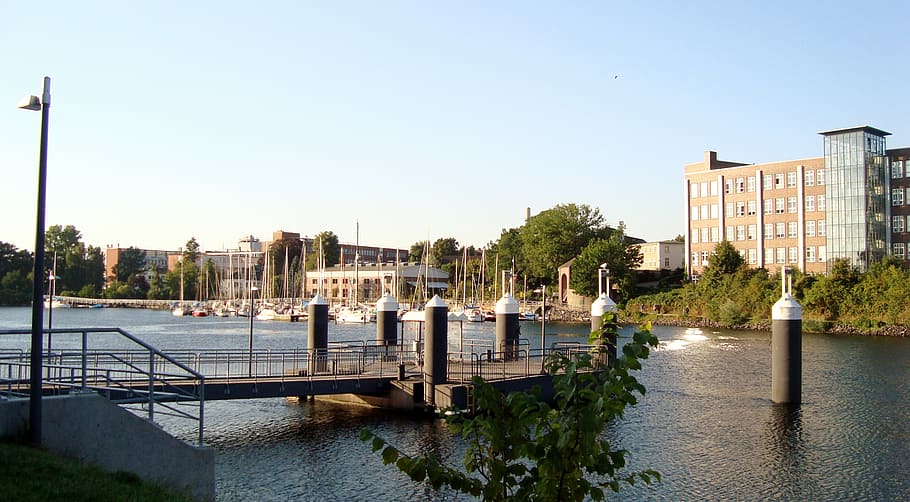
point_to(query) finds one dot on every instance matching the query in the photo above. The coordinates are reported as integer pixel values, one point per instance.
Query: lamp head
(29, 103)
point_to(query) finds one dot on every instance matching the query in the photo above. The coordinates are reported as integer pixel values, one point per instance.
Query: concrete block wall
(94, 430)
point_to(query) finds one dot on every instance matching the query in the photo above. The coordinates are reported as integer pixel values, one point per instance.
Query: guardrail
(111, 373)
(517, 362)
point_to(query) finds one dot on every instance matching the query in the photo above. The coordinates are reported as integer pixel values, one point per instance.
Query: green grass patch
(34, 474)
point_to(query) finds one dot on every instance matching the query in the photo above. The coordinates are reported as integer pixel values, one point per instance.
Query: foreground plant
(521, 447)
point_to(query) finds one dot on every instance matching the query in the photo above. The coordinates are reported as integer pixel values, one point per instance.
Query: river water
(706, 422)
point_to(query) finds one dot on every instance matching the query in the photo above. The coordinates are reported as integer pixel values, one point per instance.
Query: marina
(706, 422)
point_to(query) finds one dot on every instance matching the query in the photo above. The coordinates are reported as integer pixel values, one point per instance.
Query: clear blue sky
(421, 120)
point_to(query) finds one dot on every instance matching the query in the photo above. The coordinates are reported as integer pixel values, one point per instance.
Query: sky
(418, 120)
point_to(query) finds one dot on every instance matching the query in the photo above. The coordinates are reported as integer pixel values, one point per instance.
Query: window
(704, 188)
(694, 213)
(781, 230)
(821, 231)
(714, 188)
(694, 189)
(715, 234)
(810, 203)
(821, 254)
(820, 180)
(897, 169)
(791, 229)
(779, 205)
(767, 182)
(704, 258)
(750, 184)
(769, 256)
(704, 212)
(897, 196)
(740, 208)
(769, 230)
(791, 255)
(899, 250)
(781, 256)
(897, 224)
(695, 236)
(820, 202)
(728, 186)
(769, 206)
(729, 234)
(704, 234)
(752, 256)
(791, 179)
(810, 254)
(714, 210)
(750, 232)
(729, 212)
(740, 185)
(695, 259)
(810, 177)
(791, 204)
(779, 181)
(740, 232)
(750, 208)
(810, 228)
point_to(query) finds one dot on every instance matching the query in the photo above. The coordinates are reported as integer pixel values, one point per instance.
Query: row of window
(780, 230)
(741, 208)
(774, 255)
(346, 280)
(744, 184)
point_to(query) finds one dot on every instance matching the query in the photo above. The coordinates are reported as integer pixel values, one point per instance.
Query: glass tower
(858, 192)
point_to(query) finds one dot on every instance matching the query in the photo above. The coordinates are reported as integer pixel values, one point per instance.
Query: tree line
(730, 293)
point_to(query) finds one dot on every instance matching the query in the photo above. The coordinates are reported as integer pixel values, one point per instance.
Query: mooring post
(602, 305)
(387, 320)
(507, 328)
(318, 333)
(786, 345)
(435, 348)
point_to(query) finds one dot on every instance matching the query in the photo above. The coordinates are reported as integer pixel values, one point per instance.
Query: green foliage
(522, 448)
(621, 257)
(77, 265)
(417, 250)
(557, 235)
(331, 251)
(131, 262)
(15, 275)
(444, 251)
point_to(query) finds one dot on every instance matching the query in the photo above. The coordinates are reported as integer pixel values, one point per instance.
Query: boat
(527, 316)
(200, 312)
(267, 314)
(179, 310)
(56, 303)
(354, 315)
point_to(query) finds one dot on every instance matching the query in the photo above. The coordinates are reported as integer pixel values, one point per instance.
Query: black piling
(318, 334)
(387, 320)
(786, 347)
(507, 327)
(435, 348)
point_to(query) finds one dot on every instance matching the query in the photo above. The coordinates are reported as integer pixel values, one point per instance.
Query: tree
(15, 275)
(620, 255)
(725, 260)
(523, 448)
(131, 262)
(557, 235)
(416, 253)
(191, 250)
(444, 250)
(331, 250)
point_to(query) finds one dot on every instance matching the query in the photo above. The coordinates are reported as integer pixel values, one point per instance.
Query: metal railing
(518, 361)
(145, 377)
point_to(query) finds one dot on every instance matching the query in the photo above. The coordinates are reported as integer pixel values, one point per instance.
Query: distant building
(410, 282)
(851, 203)
(662, 255)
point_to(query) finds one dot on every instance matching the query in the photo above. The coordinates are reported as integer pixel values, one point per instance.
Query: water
(706, 423)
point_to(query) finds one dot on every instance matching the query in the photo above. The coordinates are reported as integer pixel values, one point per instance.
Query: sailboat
(180, 310)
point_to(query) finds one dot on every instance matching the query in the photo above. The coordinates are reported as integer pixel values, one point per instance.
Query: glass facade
(858, 189)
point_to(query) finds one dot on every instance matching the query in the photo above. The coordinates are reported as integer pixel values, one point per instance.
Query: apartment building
(848, 203)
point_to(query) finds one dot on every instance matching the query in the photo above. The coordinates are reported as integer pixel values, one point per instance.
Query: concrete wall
(94, 430)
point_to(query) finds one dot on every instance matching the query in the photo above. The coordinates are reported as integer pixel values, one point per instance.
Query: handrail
(158, 387)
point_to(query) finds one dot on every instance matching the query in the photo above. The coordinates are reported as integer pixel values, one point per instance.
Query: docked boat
(354, 315)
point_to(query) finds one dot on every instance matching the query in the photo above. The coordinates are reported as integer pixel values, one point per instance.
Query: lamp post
(601, 272)
(253, 290)
(34, 417)
(543, 324)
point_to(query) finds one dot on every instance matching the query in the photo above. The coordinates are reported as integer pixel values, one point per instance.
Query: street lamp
(543, 324)
(253, 290)
(601, 272)
(34, 417)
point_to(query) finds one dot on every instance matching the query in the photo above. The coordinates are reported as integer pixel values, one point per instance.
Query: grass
(33, 474)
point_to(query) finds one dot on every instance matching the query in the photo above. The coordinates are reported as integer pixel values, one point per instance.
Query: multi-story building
(802, 213)
(662, 255)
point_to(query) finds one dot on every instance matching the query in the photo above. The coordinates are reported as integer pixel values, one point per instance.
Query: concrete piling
(318, 334)
(602, 305)
(435, 347)
(507, 328)
(786, 346)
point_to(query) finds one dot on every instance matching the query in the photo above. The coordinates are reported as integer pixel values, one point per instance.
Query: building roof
(866, 128)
